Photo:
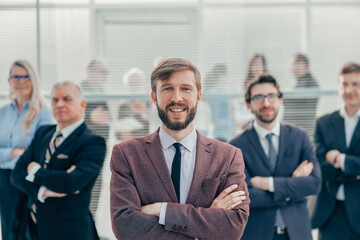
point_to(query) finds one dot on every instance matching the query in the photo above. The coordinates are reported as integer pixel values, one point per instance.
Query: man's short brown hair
(351, 67)
(167, 67)
(265, 78)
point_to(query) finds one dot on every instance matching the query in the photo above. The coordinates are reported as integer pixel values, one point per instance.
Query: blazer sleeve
(299, 187)
(329, 172)
(198, 222)
(261, 198)
(203, 223)
(20, 171)
(352, 165)
(88, 161)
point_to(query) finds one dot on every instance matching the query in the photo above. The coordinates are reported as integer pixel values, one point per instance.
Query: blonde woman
(19, 121)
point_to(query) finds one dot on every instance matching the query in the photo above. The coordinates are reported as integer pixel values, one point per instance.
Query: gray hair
(69, 83)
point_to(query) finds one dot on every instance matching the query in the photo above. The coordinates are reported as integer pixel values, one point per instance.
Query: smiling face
(67, 105)
(349, 89)
(20, 83)
(266, 111)
(176, 99)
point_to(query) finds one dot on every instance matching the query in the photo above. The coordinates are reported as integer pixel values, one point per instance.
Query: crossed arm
(230, 208)
(59, 183)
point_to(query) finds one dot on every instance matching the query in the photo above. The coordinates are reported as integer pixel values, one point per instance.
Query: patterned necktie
(176, 170)
(52, 148)
(279, 221)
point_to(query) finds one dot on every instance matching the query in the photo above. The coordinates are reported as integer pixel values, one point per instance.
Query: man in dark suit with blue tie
(59, 168)
(337, 138)
(280, 166)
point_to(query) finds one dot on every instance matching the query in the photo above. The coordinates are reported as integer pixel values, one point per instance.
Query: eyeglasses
(17, 78)
(272, 97)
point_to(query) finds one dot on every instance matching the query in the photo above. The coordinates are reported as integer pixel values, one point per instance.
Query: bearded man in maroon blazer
(176, 183)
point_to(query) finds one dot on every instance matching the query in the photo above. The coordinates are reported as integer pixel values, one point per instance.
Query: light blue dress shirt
(12, 134)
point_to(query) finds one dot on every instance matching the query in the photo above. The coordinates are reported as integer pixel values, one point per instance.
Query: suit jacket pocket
(211, 188)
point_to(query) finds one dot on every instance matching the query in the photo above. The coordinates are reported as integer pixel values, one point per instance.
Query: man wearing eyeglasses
(337, 138)
(280, 166)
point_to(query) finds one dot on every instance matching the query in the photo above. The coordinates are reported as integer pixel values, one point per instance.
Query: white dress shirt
(262, 133)
(188, 158)
(65, 133)
(350, 125)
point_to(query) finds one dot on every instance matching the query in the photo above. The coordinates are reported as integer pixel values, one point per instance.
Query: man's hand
(17, 152)
(304, 169)
(49, 193)
(100, 116)
(260, 183)
(72, 168)
(228, 199)
(331, 155)
(31, 165)
(152, 209)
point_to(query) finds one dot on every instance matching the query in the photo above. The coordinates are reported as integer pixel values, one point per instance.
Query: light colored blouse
(12, 134)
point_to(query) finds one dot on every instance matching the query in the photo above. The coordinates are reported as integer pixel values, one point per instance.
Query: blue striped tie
(279, 221)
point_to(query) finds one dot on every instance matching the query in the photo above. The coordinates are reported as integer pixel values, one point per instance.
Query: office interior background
(60, 37)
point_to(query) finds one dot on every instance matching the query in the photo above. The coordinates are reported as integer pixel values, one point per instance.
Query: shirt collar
(26, 105)
(188, 141)
(344, 114)
(262, 132)
(69, 129)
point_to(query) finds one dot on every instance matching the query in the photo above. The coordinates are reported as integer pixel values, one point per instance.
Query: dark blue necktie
(279, 221)
(176, 170)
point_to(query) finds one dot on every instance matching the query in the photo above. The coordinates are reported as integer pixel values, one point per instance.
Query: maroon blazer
(140, 176)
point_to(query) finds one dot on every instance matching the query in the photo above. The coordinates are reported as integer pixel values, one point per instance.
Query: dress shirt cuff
(162, 213)
(342, 161)
(271, 184)
(41, 192)
(31, 176)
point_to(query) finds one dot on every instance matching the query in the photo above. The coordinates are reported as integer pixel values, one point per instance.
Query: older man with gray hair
(59, 168)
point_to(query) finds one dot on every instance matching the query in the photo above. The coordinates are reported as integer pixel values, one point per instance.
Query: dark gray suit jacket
(140, 176)
(330, 134)
(65, 217)
(290, 192)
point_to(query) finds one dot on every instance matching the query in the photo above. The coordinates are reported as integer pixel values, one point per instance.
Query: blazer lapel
(155, 153)
(354, 143)
(66, 142)
(255, 141)
(204, 152)
(282, 146)
(339, 126)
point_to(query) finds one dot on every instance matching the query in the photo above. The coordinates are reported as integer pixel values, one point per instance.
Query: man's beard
(264, 120)
(176, 125)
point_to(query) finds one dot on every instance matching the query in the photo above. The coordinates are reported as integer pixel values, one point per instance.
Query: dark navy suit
(289, 192)
(329, 135)
(65, 217)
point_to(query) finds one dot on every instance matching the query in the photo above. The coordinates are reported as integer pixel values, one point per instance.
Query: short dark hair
(167, 67)
(299, 57)
(265, 78)
(350, 67)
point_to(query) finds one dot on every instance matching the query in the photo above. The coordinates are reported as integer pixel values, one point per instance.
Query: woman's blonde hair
(37, 101)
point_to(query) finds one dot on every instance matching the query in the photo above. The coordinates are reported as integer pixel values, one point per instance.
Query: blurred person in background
(133, 115)
(337, 140)
(257, 66)
(19, 121)
(221, 106)
(301, 70)
(302, 111)
(97, 114)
